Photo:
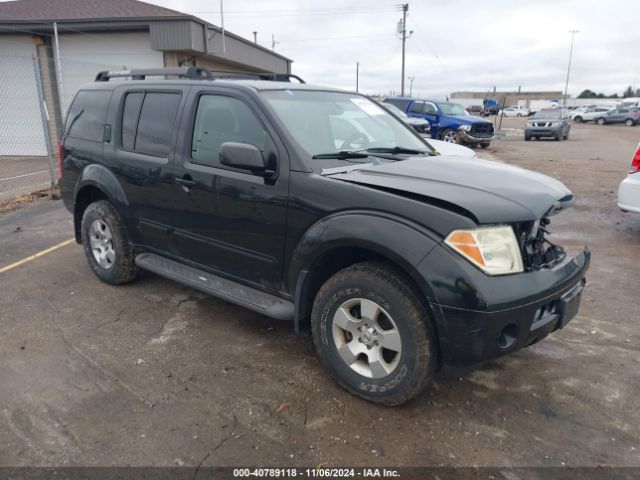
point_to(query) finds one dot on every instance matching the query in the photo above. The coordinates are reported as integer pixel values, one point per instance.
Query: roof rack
(192, 73)
(274, 77)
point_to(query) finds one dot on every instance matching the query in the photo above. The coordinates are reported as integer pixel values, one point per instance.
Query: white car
(514, 111)
(588, 114)
(629, 190)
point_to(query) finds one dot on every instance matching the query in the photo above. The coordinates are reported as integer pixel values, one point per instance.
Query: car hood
(489, 192)
(467, 119)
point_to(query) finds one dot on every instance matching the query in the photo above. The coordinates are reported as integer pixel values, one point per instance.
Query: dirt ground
(154, 373)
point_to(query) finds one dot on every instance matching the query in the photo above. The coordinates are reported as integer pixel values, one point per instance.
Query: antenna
(224, 49)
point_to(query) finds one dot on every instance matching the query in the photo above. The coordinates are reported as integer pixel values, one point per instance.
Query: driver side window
(430, 108)
(221, 119)
(417, 107)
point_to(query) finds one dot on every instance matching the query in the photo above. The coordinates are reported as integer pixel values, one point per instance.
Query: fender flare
(403, 242)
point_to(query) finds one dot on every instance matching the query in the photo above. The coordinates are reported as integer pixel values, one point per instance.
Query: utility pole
(58, 71)
(411, 79)
(357, 75)
(566, 83)
(273, 42)
(403, 32)
(255, 37)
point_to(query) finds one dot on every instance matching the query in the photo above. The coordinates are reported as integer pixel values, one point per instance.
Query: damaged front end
(538, 252)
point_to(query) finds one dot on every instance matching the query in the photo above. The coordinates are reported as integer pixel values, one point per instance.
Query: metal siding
(177, 35)
(246, 53)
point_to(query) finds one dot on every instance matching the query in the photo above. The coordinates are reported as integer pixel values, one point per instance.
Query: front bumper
(480, 318)
(466, 137)
(629, 194)
(543, 132)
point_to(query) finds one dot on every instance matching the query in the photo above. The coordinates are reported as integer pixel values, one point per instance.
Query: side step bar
(251, 298)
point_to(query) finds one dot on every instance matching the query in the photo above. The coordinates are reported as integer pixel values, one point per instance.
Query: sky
(455, 45)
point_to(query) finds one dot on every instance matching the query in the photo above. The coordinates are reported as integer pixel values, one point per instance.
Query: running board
(251, 298)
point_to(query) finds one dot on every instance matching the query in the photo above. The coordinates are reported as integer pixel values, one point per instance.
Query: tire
(484, 145)
(366, 369)
(629, 122)
(519, 115)
(600, 121)
(527, 138)
(448, 135)
(578, 119)
(557, 138)
(106, 244)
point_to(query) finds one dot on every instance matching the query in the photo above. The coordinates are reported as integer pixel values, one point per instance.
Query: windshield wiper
(396, 150)
(341, 155)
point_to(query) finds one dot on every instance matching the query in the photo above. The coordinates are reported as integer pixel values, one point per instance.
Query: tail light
(635, 163)
(60, 148)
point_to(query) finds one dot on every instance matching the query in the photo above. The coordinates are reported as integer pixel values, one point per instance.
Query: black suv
(317, 206)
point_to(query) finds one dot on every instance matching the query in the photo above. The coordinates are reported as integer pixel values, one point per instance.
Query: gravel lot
(154, 373)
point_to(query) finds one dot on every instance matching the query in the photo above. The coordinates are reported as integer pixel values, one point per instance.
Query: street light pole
(411, 79)
(405, 7)
(566, 83)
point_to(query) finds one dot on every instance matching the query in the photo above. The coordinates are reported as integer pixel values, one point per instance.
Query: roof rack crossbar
(192, 73)
(274, 77)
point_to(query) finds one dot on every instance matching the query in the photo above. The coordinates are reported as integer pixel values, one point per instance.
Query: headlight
(466, 128)
(529, 124)
(555, 124)
(492, 249)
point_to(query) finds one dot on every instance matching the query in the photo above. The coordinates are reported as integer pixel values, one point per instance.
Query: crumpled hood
(491, 192)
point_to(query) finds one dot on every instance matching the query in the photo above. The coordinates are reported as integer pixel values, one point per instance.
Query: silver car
(553, 123)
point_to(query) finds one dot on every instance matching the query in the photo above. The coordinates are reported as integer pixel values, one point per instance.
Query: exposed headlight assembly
(466, 128)
(492, 249)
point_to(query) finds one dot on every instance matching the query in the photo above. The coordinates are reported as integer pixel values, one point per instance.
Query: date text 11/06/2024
(315, 473)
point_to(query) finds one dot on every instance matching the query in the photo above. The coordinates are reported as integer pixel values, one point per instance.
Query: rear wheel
(601, 121)
(373, 334)
(578, 119)
(448, 135)
(106, 244)
(629, 122)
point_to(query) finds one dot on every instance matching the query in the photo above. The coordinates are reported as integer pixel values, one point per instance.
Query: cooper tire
(360, 306)
(106, 244)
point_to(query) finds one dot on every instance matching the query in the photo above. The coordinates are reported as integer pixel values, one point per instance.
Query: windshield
(552, 114)
(452, 109)
(323, 122)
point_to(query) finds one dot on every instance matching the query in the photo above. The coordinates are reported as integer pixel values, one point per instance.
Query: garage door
(21, 131)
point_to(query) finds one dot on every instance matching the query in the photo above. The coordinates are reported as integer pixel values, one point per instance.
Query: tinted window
(87, 115)
(132, 104)
(430, 108)
(155, 127)
(417, 107)
(401, 104)
(222, 119)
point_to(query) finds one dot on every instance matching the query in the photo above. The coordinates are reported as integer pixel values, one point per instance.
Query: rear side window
(148, 121)
(401, 104)
(87, 115)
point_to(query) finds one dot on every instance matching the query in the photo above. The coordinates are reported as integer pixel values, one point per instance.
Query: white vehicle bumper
(629, 193)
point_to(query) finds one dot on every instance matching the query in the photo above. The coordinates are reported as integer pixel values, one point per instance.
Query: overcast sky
(456, 44)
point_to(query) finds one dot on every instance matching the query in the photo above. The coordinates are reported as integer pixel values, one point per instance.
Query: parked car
(444, 148)
(629, 190)
(449, 121)
(537, 105)
(475, 110)
(548, 123)
(398, 261)
(421, 125)
(588, 114)
(514, 111)
(629, 116)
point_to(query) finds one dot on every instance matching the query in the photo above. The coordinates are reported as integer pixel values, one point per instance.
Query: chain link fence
(26, 150)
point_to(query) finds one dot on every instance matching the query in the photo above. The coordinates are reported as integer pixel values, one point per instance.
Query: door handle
(186, 182)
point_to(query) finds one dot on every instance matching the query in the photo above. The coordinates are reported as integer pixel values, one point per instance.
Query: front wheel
(373, 334)
(577, 119)
(601, 121)
(448, 135)
(629, 122)
(106, 244)
(484, 145)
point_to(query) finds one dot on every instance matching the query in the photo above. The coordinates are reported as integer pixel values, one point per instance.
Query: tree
(587, 94)
(628, 92)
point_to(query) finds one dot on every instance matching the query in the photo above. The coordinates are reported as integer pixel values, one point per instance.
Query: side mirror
(244, 156)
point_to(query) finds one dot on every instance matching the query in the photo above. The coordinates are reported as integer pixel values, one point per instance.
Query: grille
(482, 130)
(541, 124)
